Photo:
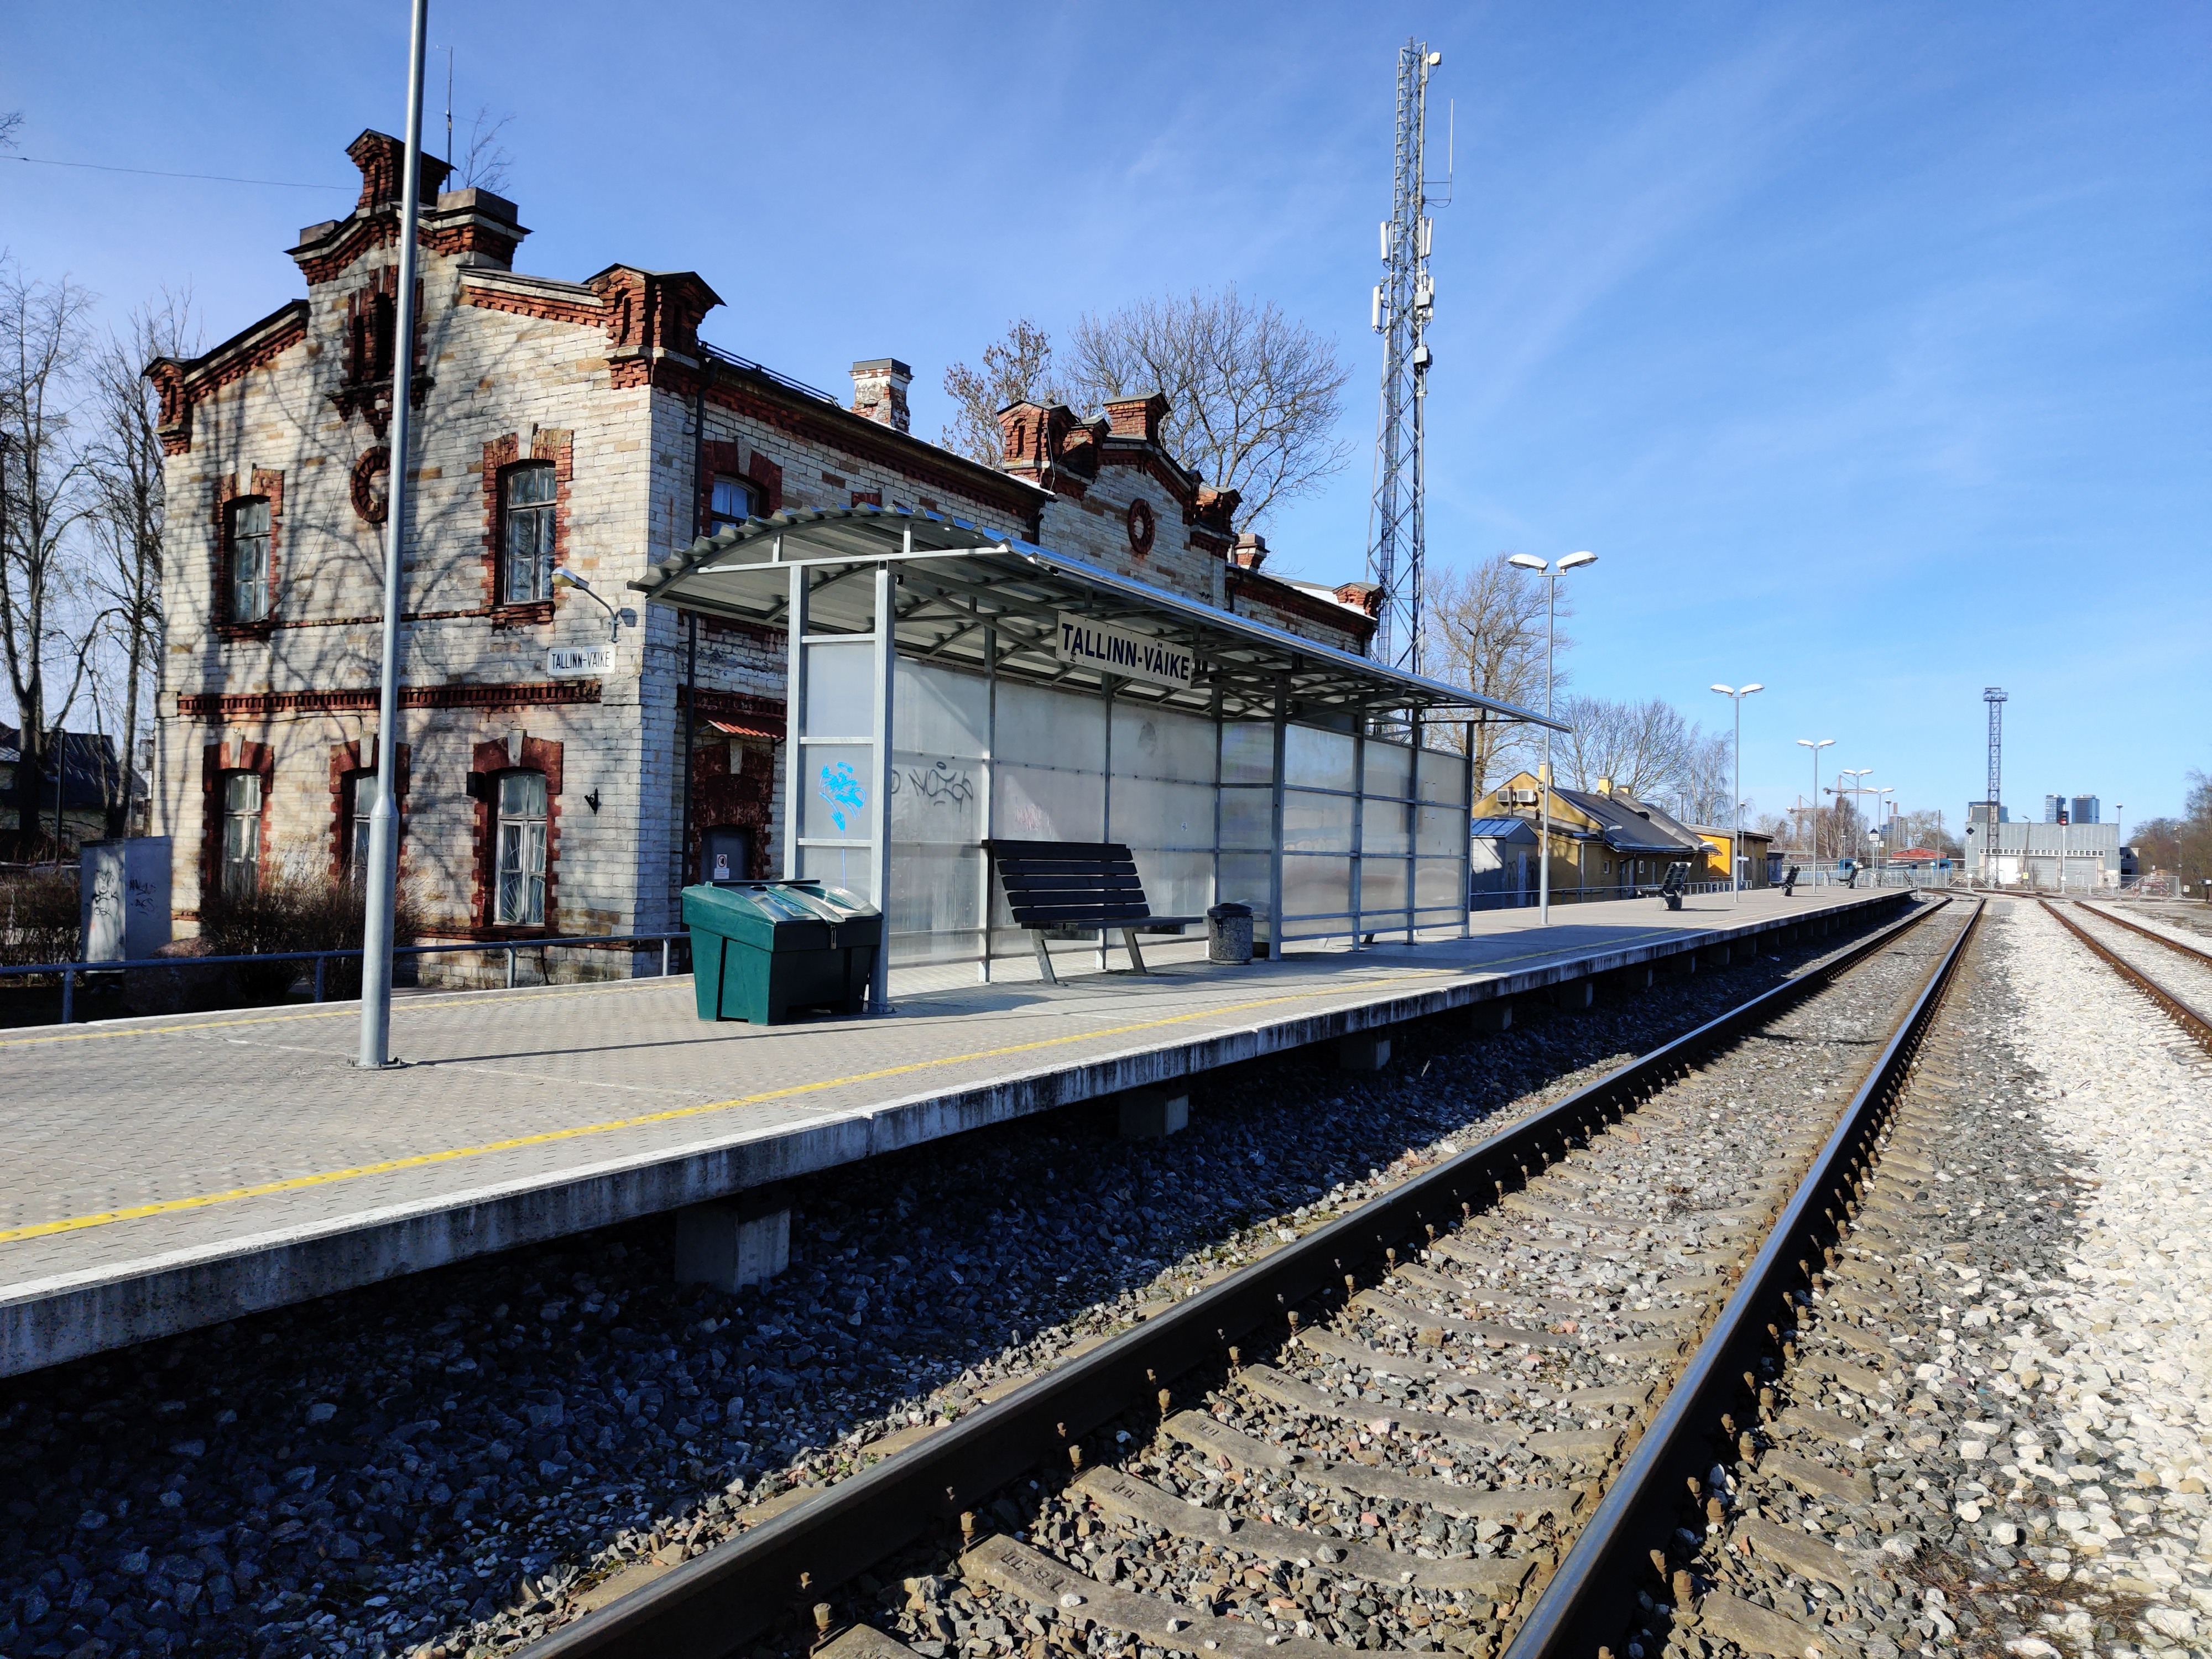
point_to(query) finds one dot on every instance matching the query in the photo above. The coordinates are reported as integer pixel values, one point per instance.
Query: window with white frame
(241, 834)
(519, 899)
(732, 503)
(246, 560)
(526, 534)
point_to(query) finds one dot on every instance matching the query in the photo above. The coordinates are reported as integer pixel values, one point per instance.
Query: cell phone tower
(1996, 698)
(1404, 303)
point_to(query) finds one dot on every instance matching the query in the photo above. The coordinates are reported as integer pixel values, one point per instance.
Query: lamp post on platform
(1812, 804)
(1736, 830)
(1550, 573)
(382, 886)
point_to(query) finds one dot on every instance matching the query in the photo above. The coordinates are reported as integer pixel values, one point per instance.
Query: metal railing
(178, 966)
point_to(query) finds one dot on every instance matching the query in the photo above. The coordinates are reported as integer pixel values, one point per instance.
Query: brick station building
(583, 426)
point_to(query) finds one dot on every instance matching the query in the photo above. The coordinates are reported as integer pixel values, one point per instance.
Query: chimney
(880, 392)
(382, 160)
(1605, 785)
(1137, 418)
(1251, 550)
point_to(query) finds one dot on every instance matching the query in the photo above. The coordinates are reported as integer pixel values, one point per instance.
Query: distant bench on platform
(1671, 889)
(1074, 883)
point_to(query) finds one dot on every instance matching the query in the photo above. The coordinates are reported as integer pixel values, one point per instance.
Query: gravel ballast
(456, 1461)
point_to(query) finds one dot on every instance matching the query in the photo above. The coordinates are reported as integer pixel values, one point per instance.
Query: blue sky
(1866, 346)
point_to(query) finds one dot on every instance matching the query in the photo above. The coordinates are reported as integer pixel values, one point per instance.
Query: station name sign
(1087, 644)
(580, 662)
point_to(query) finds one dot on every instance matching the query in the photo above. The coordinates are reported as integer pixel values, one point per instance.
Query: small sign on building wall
(580, 662)
(1117, 651)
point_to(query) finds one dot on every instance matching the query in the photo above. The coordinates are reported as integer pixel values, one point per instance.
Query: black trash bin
(1229, 933)
(761, 948)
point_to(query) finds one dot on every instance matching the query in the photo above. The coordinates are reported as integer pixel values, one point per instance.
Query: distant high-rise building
(2050, 806)
(2086, 808)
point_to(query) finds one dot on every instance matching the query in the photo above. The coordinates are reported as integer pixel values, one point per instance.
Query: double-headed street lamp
(1735, 832)
(1550, 573)
(1812, 802)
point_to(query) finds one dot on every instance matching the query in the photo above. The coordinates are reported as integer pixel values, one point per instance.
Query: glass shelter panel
(1318, 759)
(841, 685)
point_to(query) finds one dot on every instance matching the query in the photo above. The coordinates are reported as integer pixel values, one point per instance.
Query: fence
(1525, 898)
(178, 966)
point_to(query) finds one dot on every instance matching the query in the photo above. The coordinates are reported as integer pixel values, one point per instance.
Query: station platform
(172, 1173)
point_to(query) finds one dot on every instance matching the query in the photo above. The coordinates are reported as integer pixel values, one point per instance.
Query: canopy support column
(880, 808)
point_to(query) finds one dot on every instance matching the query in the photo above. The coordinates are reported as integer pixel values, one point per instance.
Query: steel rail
(1591, 1601)
(2202, 956)
(2190, 1019)
(714, 1602)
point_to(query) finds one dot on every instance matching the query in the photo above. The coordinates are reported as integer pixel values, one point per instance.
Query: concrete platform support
(1370, 1051)
(1154, 1113)
(1573, 993)
(1746, 949)
(1496, 1015)
(1684, 963)
(733, 1242)
(1637, 978)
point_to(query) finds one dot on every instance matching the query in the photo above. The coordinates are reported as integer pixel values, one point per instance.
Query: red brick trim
(501, 453)
(262, 483)
(1155, 466)
(1142, 529)
(486, 762)
(865, 439)
(867, 497)
(709, 703)
(349, 764)
(364, 235)
(473, 234)
(770, 477)
(361, 485)
(744, 800)
(239, 754)
(221, 709)
(546, 307)
(1281, 596)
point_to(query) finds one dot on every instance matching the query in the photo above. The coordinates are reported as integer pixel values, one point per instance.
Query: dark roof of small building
(1629, 826)
(89, 764)
(1502, 829)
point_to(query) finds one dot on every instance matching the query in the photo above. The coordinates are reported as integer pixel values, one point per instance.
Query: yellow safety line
(387, 1166)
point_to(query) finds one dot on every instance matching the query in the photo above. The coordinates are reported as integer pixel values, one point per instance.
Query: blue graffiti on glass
(843, 792)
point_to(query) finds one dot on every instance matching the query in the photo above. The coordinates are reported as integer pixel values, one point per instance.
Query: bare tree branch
(1016, 368)
(1253, 396)
(11, 121)
(485, 163)
(1489, 624)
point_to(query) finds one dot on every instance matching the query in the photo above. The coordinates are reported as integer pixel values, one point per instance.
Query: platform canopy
(973, 598)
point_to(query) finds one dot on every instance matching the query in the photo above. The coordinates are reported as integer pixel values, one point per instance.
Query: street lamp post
(377, 920)
(1550, 573)
(1812, 804)
(1735, 830)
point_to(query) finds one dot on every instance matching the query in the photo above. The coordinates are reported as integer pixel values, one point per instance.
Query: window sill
(534, 614)
(260, 628)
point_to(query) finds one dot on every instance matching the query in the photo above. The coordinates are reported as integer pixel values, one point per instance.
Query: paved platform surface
(168, 1173)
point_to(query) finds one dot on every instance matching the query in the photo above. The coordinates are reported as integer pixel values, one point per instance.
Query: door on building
(726, 853)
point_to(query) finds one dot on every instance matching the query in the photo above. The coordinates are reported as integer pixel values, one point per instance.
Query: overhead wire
(150, 172)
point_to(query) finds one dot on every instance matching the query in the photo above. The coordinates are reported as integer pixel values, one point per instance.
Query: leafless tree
(11, 121)
(44, 494)
(1016, 368)
(1640, 746)
(485, 163)
(1488, 625)
(1254, 395)
(124, 573)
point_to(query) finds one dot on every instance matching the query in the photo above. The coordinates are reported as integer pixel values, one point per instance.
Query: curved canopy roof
(973, 596)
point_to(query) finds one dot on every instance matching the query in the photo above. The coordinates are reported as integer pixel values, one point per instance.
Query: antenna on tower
(1996, 698)
(1403, 303)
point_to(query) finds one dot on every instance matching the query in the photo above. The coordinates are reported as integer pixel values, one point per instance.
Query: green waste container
(760, 949)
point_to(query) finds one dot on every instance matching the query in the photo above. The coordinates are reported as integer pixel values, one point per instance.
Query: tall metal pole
(1544, 783)
(1735, 834)
(383, 842)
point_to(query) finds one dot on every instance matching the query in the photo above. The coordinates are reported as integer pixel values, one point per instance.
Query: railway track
(1461, 1416)
(2182, 983)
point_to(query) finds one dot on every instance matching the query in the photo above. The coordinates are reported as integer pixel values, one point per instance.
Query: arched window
(526, 509)
(518, 898)
(730, 505)
(242, 806)
(245, 560)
